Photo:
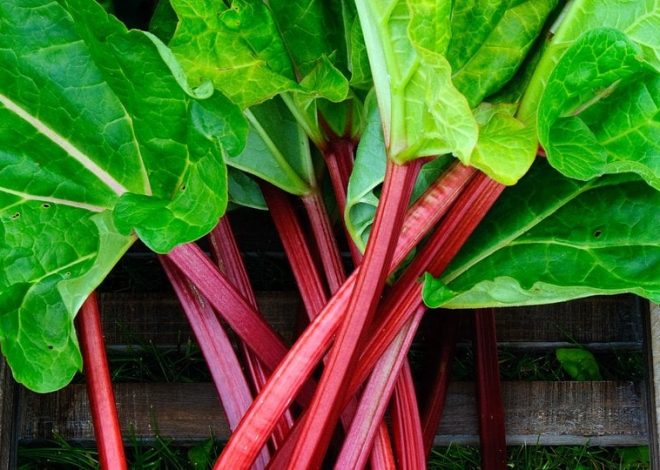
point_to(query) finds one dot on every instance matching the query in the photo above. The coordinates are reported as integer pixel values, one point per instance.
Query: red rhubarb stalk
(324, 411)
(255, 428)
(325, 240)
(297, 249)
(310, 284)
(375, 398)
(226, 300)
(492, 432)
(226, 371)
(99, 387)
(227, 255)
(406, 423)
(438, 394)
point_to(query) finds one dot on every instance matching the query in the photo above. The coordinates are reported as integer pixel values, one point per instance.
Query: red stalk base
(99, 387)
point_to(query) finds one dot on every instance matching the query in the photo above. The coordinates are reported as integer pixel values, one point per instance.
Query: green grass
(545, 458)
(163, 455)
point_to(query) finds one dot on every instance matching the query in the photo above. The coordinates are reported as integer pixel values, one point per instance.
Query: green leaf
(238, 48)
(83, 134)
(423, 114)
(277, 149)
(579, 363)
(244, 191)
(164, 21)
(489, 41)
(506, 147)
(599, 112)
(551, 238)
(638, 19)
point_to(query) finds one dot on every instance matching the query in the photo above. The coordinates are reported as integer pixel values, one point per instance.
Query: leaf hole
(67, 274)
(50, 346)
(15, 216)
(598, 233)
(45, 205)
(183, 187)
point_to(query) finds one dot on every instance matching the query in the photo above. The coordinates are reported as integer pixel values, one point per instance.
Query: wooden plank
(596, 322)
(547, 413)
(158, 317)
(553, 413)
(8, 438)
(653, 338)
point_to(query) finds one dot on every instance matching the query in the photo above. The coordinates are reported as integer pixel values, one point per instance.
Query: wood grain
(8, 391)
(597, 322)
(547, 413)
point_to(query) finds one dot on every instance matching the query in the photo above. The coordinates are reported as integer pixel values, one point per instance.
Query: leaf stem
(324, 411)
(229, 260)
(230, 383)
(99, 387)
(301, 360)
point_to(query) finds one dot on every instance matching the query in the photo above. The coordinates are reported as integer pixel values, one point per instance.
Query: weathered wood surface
(596, 322)
(8, 393)
(547, 413)
(654, 383)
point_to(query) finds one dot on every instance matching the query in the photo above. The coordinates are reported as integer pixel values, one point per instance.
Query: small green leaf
(244, 191)
(506, 147)
(599, 112)
(579, 363)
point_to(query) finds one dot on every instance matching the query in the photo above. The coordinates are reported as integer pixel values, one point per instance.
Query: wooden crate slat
(8, 391)
(553, 413)
(597, 322)
(545, 412)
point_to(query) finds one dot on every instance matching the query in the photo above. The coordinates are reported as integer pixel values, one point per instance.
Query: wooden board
(8, 395)
(548, 413)
(597, 322)
(653, 336)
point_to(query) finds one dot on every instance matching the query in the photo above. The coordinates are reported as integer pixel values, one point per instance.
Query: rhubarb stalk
(298, 364)
(99, 387)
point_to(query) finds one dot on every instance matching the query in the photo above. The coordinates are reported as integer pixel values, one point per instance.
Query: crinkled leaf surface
(98, 141)
(599, 112)
(423, 114)
(490, 39)
(551, 238)
(638, 19)
(506, 147)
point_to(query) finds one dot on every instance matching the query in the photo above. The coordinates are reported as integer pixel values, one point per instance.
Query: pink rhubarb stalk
(99, 387)
(325, 409)
(255, 428)
(227, 255)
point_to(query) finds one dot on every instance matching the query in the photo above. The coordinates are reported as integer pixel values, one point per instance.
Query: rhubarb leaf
(579, 363)
(638, 19)
(506, 147)
(277, 149)
(237, 47)
(243, 190)
(599, 112)
(489, 41)
(551, 238)
(92, 121)
(423, 113)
